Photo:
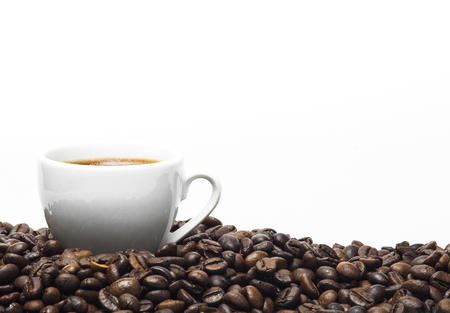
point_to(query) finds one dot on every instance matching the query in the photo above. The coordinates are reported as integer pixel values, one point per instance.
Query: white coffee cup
(113, 208)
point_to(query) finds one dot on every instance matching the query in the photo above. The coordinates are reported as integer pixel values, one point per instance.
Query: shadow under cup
(113, 208)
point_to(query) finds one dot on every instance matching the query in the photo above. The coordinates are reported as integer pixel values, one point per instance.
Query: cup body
(110, 208)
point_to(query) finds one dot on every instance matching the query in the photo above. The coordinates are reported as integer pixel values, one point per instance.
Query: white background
(323, 119)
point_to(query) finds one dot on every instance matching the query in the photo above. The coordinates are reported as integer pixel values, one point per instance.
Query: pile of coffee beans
(220, 269)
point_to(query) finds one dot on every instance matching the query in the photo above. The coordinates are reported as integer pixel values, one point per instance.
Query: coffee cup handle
(188, 178)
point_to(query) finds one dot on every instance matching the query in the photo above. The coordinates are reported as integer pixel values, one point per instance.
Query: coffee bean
(156, 282)
(377, 292)
(125, 285)
(328, 284)
(75, 304)
(282, 278)
(209, 248)
(327, 297)
(297, 273)
(32, 290)
(51, 295)
(8, 273)
(418, 288)
(67, 284)
(52, 247)
(411, 304)
(199, 277)
(348, 270)
(327, 272)
(443, 306)
(265, 288)
(378, 278)
(216, 269)
(16, 259)
(308, 287)
(175, 306)
(266, 266)
(129, 302)
(214, 266)
(49, 309)
(157, 296)
(213, 296)
(288, 298)
(359, 297)
(237, 301)
(186, 297)
(108, 301)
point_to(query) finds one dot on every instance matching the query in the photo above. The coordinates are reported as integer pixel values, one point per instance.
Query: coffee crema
(112, 162)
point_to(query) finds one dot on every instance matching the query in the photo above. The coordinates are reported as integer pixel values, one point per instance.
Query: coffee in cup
(104, 208)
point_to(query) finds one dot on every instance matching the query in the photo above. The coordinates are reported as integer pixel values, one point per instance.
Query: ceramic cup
(114, 208)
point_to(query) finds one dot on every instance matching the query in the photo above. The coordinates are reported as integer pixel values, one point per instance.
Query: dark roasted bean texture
(218, 268)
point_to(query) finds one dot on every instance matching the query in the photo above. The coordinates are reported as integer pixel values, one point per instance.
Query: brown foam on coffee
(112, 162)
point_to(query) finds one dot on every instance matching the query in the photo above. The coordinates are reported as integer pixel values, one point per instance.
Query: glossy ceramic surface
(113, 208)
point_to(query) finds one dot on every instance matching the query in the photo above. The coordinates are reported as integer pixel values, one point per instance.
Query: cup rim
(175, 155)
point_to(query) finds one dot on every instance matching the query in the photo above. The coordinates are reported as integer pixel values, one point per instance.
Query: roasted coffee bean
(75, 304)
(327, 272)
(186, 297)
(378, 278)
(423, 272)
(359, 297)
(156, 282)
(441, 281)
(297, 273)
(266, 289)
(90, 296)
(33, 306)
(52, 247)
(402, 268)
(348, 270)
(443, 306)
(129, 302)
(234, 260)
(252, 271)
(108, 301)
(254, 257)
(308, 287)
(214, 266)
(32, 290)
(176, 306)
(236, 301)
(419, 288)
(282, 278)
(51, 295)
(16, 259)
(377, 292)
(357, 309)
(12, 297)
(17, 248)
(266, 266)
(192, 258)
(246, 246)
(157, 296)
(411, 304)
(125, 285)
(162, 271)
(91, 283)
(213, 296)
(8, 273)
(328, 284)
(199, 277)
(209, 248)
(395, 278)
(288, 298)
(67, 284)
